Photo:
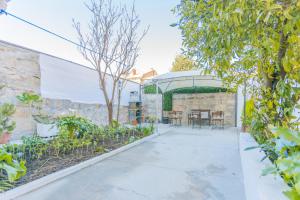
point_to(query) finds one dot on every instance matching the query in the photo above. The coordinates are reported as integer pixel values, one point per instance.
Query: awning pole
(157, 119)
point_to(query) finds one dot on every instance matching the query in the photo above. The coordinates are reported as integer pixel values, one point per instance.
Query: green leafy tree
(182, 63)
(256, 41)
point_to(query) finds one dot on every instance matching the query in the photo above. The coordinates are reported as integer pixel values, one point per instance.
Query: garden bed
(78, 140)
(41, 167)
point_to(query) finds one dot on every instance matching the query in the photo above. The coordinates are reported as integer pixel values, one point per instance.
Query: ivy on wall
(151, 89)
(167, 96)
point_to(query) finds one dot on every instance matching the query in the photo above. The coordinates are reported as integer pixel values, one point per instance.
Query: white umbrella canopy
(184, 79)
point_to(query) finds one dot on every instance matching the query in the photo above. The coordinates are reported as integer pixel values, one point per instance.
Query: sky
(158, 49)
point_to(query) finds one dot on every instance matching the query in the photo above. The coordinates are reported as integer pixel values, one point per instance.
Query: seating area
(198, 118)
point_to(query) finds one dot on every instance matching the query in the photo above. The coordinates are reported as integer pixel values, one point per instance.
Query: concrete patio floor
(184, 163)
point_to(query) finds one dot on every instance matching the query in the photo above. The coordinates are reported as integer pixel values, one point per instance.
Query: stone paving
(189, 164)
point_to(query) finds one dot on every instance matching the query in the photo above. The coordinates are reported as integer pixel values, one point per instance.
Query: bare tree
(111, 44)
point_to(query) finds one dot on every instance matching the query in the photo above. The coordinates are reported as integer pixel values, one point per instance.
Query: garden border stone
(258, 187)
(36, 184)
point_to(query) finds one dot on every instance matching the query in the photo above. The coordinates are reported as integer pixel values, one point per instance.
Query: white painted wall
(61, 79)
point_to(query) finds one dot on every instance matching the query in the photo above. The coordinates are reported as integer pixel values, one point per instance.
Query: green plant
(34, 146)
(183, 63)
(115, 124)
(10, 169)
(147, 131)
(254, 42)
(29, 98)
(75, 126)
(287, 164)
(6, 112)
(250, 107)
(151, 89)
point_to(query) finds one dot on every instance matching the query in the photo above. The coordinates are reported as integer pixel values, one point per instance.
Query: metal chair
(205, 117)
(175, 118)
(217, 118)
(193, 117)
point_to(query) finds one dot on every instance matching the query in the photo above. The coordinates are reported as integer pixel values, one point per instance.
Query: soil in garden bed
(49, 164)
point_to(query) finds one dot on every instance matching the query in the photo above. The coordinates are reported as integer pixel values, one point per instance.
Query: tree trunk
(119, 102)
(110, 112)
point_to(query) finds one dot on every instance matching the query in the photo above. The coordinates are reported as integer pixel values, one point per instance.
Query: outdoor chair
(194, 118)
(205, 117)
(217, 119)
(175, 118)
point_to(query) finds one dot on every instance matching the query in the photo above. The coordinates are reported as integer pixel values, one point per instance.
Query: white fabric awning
(174, 80)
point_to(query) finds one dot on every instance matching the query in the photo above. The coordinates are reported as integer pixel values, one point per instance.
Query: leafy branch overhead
(183, 63)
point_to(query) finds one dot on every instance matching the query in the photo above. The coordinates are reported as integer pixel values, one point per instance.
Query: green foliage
(34, 101)
(167, 96)
(77, 137)
(151, 89)
(250, 109)
(254, 42)
(182, 63)
(6, 112)
(10, 169)
(75, 126)
(287, 146)
(34, 146)
(29, 98)
(115, 124)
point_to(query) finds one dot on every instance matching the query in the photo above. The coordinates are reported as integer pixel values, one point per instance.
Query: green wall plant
(151, 89)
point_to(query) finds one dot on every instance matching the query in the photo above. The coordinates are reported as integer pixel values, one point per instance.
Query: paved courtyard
(188, 164)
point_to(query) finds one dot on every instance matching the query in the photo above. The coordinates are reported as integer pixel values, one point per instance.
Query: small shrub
(75, 126)
(6, 111)
(10, 170)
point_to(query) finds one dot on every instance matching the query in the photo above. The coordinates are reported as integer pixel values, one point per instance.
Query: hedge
(151, 89)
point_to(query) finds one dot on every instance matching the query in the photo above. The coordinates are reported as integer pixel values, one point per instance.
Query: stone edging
(258, 187)
(36, 184)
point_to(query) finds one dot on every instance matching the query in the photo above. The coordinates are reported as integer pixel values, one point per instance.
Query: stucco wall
(215, 102)
(66, 87)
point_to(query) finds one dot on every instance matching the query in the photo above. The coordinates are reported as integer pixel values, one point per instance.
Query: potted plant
(6, 125)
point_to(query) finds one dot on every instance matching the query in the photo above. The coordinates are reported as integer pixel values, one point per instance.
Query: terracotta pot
(134, 122)
(4, 138)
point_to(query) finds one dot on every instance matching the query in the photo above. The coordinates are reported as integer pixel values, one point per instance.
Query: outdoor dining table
(199, 116)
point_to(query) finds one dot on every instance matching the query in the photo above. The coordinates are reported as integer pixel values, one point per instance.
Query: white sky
(159, 48)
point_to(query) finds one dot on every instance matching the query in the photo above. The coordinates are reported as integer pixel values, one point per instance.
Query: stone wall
(215, 102)
(149, 105)
(95, 112)
(20, 72)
